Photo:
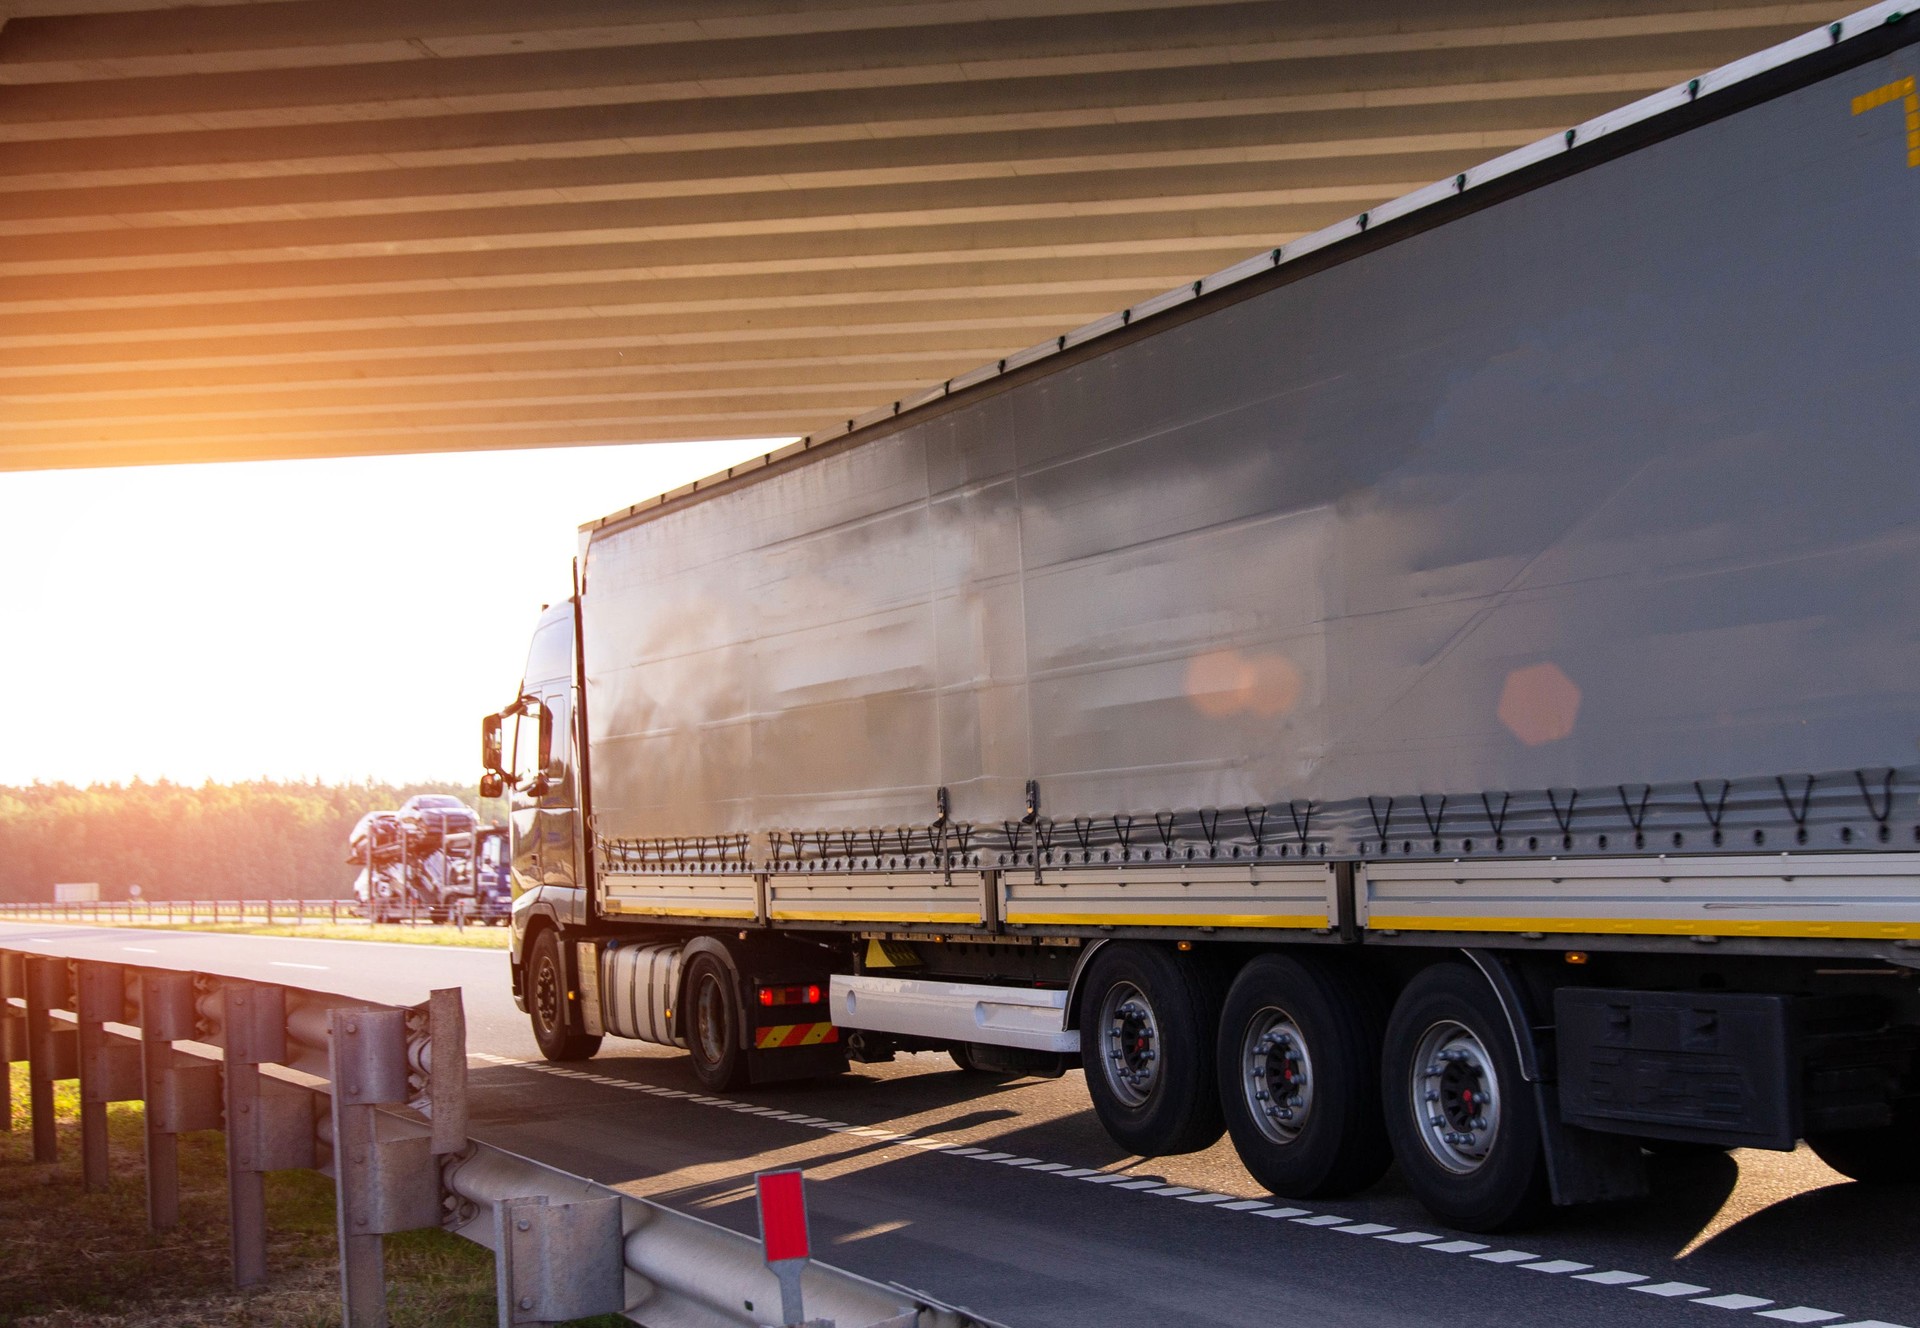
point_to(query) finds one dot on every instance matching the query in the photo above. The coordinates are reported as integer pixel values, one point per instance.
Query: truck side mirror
(492, 752)
(492, 785)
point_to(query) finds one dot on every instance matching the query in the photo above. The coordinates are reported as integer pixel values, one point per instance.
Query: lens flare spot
(1222, 683)
(1539, 703)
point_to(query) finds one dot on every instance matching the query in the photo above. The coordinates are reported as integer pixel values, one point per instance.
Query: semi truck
(1441, 693)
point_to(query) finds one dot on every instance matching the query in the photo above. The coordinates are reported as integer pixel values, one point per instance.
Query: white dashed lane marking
(1226, 1203)
(1674, 1289)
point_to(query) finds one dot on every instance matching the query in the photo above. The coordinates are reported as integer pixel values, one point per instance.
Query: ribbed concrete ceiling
(327, 227)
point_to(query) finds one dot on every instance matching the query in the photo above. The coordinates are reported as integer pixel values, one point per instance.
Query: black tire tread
(730, 1071)
(1510, 1190)
(561, 1044)
(1186, 1117)
(1345, 1148)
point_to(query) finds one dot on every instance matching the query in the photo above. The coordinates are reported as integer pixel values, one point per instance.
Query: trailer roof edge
(1634, 114)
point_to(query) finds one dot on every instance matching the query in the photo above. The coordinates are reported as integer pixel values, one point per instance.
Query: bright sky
(332, 619)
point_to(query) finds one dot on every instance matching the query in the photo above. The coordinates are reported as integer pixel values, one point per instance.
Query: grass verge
(71, 1259)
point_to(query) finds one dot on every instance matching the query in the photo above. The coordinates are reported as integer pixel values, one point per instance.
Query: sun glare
(335, 619)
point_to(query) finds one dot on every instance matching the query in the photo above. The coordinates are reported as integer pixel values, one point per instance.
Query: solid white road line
(282, 963)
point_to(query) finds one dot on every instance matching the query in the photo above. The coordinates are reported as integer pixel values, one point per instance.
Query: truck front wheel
(1463, 1124)
(1299, 1060)
(547, 1004)
(1147, 1029)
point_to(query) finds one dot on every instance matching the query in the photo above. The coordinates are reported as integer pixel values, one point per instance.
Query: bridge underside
(289, 228)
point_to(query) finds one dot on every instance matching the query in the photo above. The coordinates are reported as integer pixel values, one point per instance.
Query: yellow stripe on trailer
(867, 915)
(646, 909)
(1270, 921)
(1808, 928)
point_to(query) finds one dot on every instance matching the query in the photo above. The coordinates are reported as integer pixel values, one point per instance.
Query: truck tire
(711, 1002)
(962, 1053)
(1148, 1025)
(1889, 1155)
(547, 1004)
(1299, 1060)
(1462, 1122)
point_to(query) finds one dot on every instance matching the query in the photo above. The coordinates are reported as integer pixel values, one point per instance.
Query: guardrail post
(13, 1029)
(554, 1262)
(440, 1057)
(49, 1049)
(181, 1096)
(367, 1064)
(254, 1020)
(109, 1064)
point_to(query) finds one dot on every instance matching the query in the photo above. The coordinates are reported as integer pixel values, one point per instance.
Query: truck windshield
(550, 658)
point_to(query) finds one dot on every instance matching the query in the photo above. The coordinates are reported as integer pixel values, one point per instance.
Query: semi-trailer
(1443, 692)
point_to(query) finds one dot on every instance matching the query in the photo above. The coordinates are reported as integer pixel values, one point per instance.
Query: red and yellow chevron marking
(794, 1035)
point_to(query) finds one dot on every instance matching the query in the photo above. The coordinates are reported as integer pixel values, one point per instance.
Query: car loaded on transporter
(1444, 692)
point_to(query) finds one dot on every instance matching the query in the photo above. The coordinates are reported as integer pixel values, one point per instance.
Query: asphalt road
(1004, 1195)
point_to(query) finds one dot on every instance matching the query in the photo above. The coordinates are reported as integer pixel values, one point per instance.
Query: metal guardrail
(186, 912)
(375, 1097)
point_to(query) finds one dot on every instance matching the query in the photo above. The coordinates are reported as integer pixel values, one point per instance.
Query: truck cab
(529, 752)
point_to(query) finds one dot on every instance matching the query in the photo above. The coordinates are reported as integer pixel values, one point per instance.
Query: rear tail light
(807, 994)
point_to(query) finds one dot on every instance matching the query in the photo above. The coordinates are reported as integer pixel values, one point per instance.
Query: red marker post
(783, 1234)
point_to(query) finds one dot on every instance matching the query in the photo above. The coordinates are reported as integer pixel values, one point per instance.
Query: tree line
(257, 840)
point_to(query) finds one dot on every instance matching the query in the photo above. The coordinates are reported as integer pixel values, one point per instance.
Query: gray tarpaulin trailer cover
(1581, 512)
(1443, 694)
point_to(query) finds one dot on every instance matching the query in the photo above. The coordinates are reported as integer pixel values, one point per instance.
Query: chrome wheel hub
(1276, 1075)
(546, 996)
(1130, 1044)
(1456, 1097)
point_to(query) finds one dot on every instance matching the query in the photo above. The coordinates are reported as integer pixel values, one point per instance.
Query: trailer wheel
(1147, 1031)
(1299, 1060)
(1462, 1122)
(547, 1004)
(1889, 1155)
(712, 1015)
